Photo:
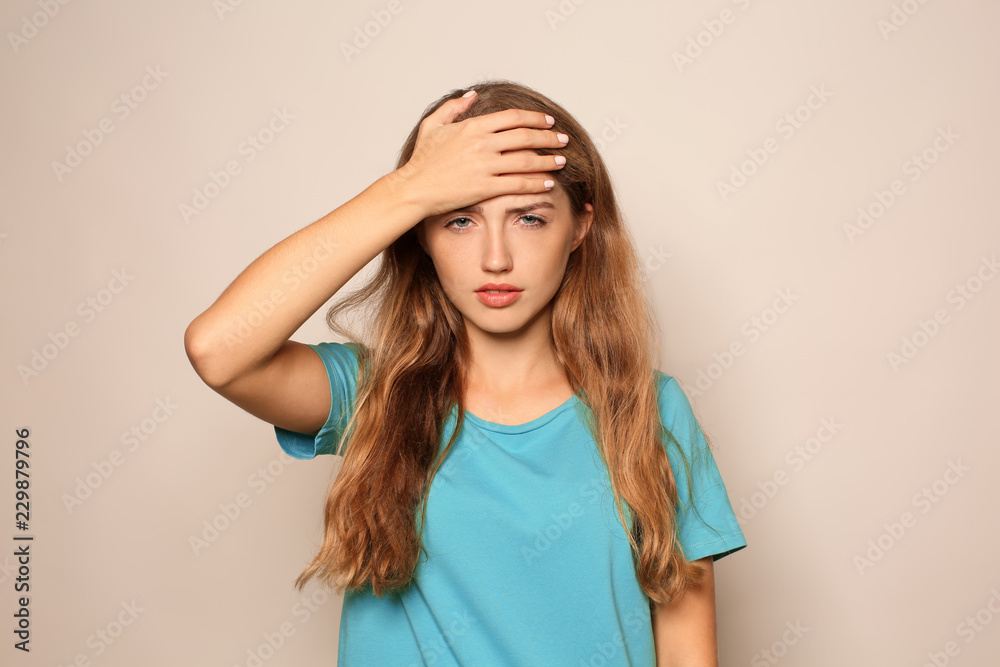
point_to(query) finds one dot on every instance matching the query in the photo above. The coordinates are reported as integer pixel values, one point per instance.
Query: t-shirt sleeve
(713, 530)
(341, 363)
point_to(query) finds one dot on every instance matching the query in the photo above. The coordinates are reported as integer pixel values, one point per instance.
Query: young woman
(520, 485)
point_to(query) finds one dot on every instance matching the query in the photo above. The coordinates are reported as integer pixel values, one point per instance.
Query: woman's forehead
(556, 196)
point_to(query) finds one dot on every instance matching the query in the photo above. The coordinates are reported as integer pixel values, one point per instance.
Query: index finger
(511, 118)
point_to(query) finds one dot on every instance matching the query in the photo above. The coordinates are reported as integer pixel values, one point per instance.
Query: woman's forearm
(286, 285)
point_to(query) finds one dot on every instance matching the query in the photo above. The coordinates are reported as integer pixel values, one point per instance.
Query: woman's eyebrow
(516, 209)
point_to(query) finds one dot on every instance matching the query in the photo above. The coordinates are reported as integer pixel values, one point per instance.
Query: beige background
(671, 134)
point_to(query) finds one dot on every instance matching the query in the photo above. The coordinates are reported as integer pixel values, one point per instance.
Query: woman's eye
(539, 221)
(451, 222)
(529, 219)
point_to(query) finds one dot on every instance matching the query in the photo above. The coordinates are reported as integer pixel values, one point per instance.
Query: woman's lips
(498, 299)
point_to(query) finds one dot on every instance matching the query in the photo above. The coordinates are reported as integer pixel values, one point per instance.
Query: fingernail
(549, 184)
(469, 94)
(549, 119)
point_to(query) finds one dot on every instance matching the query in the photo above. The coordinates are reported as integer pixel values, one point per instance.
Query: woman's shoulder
(346, 351)
(342, 361)
(665, 382)
(675, 406)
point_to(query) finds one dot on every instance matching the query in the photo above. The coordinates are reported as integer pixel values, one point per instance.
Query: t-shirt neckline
(535, 423)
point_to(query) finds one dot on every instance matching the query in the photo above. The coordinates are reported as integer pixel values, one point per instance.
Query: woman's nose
(496, 254)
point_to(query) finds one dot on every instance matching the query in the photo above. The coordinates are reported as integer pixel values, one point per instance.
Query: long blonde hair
(413, 374)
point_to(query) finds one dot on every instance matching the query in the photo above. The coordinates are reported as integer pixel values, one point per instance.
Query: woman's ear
(583, 224)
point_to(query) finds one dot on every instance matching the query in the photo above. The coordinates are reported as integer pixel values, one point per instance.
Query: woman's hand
(459, 164)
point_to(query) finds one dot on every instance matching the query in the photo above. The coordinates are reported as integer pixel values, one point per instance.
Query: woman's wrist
(400, 188)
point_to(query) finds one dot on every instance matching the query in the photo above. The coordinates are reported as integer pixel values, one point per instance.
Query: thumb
(450, 110)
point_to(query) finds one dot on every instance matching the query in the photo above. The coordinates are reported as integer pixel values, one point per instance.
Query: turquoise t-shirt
(528, 563)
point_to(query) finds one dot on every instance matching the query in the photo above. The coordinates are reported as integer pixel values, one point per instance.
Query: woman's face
(521, 242)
